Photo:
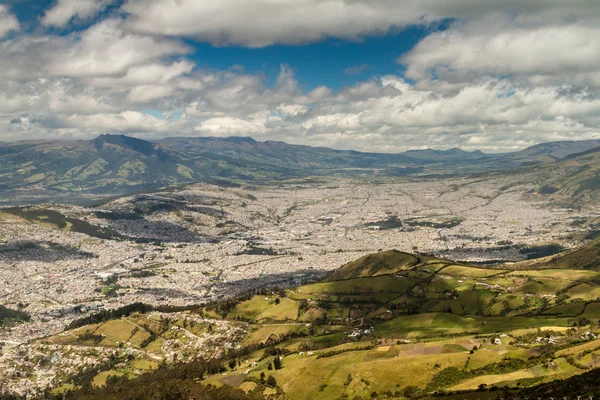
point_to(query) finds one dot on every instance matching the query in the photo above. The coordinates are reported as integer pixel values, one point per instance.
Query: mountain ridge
(118, 164)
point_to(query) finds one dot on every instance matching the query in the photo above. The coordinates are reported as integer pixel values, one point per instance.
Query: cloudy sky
(371, 75)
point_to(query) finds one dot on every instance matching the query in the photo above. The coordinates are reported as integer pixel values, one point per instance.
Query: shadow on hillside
(42, 251)
(161, 231)
(284, 280)
(226, 290)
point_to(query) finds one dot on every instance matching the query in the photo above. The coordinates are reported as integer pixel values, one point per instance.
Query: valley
(175, 251)
(470, 277)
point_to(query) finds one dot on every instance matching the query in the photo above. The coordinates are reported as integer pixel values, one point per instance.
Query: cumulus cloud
(8, 22)
(66, 10)
(492, 80)
(106, 49)
(231, 126)
(507, 46)
(259, 23)
(103, 50)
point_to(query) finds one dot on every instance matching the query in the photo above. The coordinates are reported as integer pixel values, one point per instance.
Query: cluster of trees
(586, 385)
(125, 311)
(89, 337)
(452, 375)
(336, 352)
(8, 315)
(178, 381)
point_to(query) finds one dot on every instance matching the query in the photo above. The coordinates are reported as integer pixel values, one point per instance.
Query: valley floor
(205, 243)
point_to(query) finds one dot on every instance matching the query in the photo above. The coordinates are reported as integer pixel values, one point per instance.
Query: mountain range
(116, 164)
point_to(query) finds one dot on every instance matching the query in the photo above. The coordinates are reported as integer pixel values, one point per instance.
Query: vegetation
(9, 316)
(178, 381)
(388, 324)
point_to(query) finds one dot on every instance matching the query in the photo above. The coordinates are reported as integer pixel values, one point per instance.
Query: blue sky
(373, 75)
(332, 62)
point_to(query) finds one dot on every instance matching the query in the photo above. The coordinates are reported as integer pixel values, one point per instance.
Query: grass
(100, 379)
(440, 339)
(580, 348)
(119, 330)
(63, 389)
(286, 310)
(427, 324)
(562, 274)
(249, 309)
(381, 263)
(585, 292)
(541, 286)
(302, 377)
(563, 368)
(143, 364)
(471, 302)
(264, 332)
(566, 310)
(470, 272)
(356, 286)
(592, 311)
(315, 314)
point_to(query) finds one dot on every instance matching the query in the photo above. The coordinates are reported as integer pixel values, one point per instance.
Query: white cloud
(106, 49)
(292, 109)
(491, 82)
(152, 73)
(258, 23)
(8, 22)
(103, 50)
(65, 10)
(501, 46)
(147, 93)
(231, 126)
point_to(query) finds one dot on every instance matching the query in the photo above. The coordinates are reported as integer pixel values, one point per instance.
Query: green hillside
(394, 325)
(108, 164)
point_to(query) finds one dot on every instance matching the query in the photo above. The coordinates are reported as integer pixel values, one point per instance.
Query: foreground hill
(387, 325)
(116, 164)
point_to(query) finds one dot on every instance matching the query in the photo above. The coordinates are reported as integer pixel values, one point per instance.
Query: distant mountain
(573, 181)
(454, 154)
(117, 164)
(293, 157)
(103, 165)
(549, 152)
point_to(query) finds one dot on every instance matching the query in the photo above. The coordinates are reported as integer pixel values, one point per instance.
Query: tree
(262, 377)
(277, 301)
(271, 381)
(277, 363)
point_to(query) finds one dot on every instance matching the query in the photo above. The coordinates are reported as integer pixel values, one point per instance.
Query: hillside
(106, 164)
(574, 181)
(586, 257)
(550, 152)
(387, 325)
(109, 165)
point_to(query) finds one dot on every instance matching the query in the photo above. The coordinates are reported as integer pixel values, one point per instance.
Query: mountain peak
(126, 142)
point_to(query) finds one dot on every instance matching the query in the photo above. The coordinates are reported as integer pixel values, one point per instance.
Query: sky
(368, 75)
